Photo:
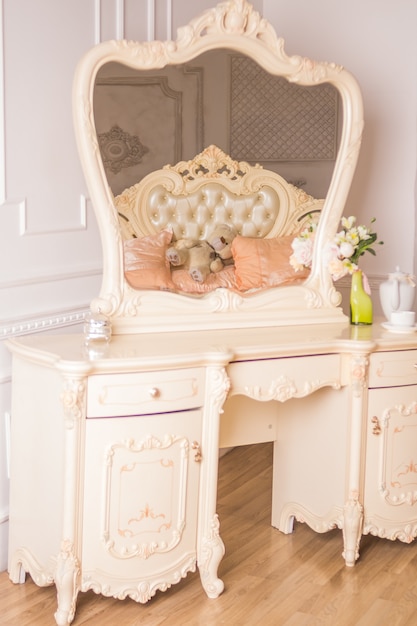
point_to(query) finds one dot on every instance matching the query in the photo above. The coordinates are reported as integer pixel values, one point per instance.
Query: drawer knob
(154, 392)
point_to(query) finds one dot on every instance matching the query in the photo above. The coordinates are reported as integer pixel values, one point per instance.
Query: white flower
(330, 253)
(346, 250)
(348, 222)
(302, 253)
(337, 269)
(363, 233)
(335, 262)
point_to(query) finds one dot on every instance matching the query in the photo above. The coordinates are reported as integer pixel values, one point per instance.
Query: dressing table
(123, 448)
(121, 439)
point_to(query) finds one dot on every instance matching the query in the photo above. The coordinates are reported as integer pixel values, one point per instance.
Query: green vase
(360, 301)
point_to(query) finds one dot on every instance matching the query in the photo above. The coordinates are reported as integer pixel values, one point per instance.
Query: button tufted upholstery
(195, 215)
(193, 197)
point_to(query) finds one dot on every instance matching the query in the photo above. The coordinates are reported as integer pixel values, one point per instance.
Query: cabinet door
(140, 502)
(391, 463)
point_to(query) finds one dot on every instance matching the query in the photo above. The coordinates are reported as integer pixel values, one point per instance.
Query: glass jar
(97, 329)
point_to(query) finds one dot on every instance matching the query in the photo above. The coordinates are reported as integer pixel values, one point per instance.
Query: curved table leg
(352, 531)
(212, 552)
(66, 577)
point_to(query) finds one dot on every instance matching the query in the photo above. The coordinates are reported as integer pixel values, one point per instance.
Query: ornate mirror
(235, 30)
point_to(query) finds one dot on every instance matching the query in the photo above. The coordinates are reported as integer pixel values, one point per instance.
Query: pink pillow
(145, 264)
(225, 278)
(264, 262)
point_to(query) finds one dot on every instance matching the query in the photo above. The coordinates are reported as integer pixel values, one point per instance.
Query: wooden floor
(271, 579)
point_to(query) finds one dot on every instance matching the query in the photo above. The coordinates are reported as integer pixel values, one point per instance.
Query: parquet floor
(270, 579)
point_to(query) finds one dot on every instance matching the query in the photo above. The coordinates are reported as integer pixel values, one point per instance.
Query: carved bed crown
(192, 197)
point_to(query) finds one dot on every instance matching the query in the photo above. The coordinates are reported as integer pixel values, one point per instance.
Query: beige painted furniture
(114, 450)
(114, 458)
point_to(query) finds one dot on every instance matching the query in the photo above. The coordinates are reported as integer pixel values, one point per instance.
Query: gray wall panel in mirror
(274, 120)
(159, 115)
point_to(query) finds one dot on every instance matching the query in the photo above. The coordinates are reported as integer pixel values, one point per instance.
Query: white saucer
(399, 329)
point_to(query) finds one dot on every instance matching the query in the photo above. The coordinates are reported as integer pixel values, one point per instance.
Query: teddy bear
(202, 257)
(221, 239)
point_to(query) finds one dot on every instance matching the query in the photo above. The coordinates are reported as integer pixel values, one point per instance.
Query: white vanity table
(114, 457)
(118, 489)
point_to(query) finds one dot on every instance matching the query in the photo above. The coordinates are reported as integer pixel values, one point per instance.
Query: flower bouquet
(341, 257)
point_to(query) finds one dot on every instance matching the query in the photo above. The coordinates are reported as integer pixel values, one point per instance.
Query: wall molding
(47, 321)
(20, 209)
(25, 230)
(51, 278)
(374, 282)
(120, 19)
(151, 21)
(169, 25)
(151, 28)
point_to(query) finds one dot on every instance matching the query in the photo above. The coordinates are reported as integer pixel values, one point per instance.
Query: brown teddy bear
(201, 257)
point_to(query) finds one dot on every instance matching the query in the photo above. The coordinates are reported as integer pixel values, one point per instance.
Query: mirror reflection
(146, 119)
(220, 127)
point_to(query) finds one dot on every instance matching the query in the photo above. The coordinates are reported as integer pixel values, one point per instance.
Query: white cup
(403, 318)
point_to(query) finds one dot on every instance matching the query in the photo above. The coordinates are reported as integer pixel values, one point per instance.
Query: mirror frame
(236, 26)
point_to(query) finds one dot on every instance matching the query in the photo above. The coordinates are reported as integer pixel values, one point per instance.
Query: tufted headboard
(188, 201)
(192, 197)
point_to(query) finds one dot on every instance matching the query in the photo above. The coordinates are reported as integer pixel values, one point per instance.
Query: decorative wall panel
(47, 230)
(304, 126)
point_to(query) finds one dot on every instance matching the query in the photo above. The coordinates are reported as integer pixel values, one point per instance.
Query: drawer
(111, 395)
(282, 379)
(393, 369)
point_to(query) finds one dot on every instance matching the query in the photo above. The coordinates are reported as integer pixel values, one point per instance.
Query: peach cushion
(145, 264)
(225, 278)
(264, 262)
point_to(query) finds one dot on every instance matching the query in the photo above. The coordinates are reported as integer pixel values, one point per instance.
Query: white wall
(50, 251)
(376, 41)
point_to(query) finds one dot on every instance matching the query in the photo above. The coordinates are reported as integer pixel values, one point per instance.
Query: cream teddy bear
(221, 240)
(201, 257)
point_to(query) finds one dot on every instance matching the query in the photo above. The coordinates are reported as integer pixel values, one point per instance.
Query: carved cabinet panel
(140, 502)
(390, 493)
